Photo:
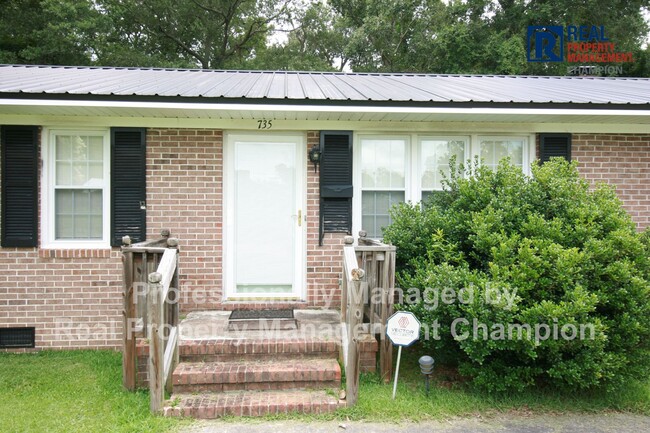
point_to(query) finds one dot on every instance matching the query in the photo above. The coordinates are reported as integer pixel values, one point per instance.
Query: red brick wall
(73, 297)
(184, 195)
(323, 262)
(622, 160)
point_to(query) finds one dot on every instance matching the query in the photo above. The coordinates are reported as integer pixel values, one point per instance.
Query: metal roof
(20, 81)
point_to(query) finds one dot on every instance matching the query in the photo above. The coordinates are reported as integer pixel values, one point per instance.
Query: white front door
(264, 216)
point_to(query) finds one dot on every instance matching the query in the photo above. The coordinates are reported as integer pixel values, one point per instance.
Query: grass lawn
(81, 391)
(71, 391)
(448, 398)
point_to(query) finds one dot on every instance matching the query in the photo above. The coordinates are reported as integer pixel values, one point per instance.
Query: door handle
(299, 217)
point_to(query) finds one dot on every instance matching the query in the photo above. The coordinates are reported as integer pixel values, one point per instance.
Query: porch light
(315, 155)
(426, 367)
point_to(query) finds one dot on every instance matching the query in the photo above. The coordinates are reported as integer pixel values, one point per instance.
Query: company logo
(584, 44)
(545, 43)
(403, 322)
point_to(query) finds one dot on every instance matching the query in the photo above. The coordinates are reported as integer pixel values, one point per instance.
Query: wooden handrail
(368, 281)
(353, 316)
(160, 312)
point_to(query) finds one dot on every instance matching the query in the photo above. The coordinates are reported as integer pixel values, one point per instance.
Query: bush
(573, 256)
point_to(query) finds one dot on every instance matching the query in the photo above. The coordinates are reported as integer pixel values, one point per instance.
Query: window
(435, 155)
(390, 169)
(494, 149)
(78, 188)
(383, 180)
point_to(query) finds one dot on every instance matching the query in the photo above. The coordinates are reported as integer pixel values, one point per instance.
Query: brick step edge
(210, 406)
(293, 370)
(257, 357)
(256, 386)
(246, 347)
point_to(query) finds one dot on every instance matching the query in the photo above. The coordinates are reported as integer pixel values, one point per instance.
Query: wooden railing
(378, 260)
(352, 317)
(367, 302)
(151, 294)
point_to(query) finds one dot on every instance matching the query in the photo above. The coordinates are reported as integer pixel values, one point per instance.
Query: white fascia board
(319, 108)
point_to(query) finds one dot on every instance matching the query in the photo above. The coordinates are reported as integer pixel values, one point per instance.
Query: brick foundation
(72, 299)
(368, 348)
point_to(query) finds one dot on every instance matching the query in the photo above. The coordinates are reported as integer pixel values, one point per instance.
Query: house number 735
(264, 124)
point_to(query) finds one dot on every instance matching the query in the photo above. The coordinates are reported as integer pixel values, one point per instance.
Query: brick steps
(306, 373)
(255, 377)
(250, 403)
(223, 350)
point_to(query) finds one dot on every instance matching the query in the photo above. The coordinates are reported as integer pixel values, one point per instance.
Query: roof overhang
(322, 112)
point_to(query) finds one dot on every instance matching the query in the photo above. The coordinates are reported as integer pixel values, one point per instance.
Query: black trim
(554, 145)
(19, 186)
(335, 183)
(128, 185)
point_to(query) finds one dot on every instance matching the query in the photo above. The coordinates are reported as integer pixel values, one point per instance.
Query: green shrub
(573, 256)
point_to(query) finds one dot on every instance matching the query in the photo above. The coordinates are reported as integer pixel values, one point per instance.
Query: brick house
(222, 159)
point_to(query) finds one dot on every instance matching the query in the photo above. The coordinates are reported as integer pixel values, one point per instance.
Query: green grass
(71, 391)
(449, 397)
(81, 391)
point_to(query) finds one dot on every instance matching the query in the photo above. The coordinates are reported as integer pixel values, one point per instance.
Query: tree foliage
(573, 256)
(435, 36)
(315, 42)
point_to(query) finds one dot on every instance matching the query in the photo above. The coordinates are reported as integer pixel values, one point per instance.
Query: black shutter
(128, 184)
(335, 182)
(554, 145)
(19, 186)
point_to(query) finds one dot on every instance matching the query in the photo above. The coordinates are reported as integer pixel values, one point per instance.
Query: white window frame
(528, 148)
(413, 175)
(357, 175)
(417, 184)
(48, 226)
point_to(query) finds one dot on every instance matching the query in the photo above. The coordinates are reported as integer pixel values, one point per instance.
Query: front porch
(211, 365)
(262, 371)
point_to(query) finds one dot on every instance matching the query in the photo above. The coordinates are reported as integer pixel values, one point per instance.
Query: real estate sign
(403, 328)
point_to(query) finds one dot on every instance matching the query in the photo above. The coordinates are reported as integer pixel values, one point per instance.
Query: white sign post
(403, 329)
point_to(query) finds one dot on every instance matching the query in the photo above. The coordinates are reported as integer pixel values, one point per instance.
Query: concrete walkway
(574, 423)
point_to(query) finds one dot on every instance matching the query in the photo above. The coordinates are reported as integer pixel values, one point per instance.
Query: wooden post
(355, 316)
(385, 346)
(156, 343)
(174, 315)
(128, 319)
(349, 240)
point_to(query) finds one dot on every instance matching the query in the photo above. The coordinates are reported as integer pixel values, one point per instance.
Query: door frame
(228, 214)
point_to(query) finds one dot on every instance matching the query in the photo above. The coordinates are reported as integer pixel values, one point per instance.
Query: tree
(433, 36)
(315, 42)
(388, 36)
(213, 34)
(49, 31)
